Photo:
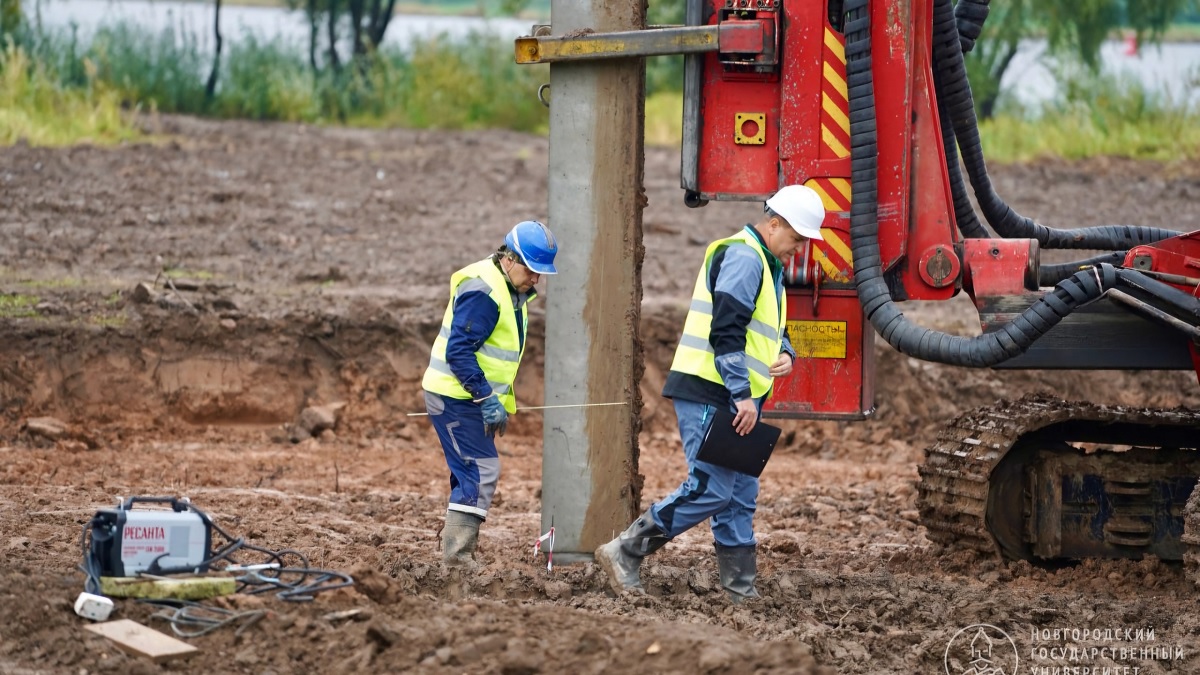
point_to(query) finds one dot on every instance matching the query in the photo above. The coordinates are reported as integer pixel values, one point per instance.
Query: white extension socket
(94, 607)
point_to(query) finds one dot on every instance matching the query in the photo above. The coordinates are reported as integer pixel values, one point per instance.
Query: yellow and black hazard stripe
(834, 253)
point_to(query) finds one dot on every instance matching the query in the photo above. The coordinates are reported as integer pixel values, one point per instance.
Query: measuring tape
(545, 407)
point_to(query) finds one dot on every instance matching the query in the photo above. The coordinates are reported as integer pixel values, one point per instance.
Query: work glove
(495, 417)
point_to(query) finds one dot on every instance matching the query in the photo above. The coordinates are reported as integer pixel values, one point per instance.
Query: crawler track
(959, 479)
(1191, 537)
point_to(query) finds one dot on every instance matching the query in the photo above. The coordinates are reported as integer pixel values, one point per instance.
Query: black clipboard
(745, 454)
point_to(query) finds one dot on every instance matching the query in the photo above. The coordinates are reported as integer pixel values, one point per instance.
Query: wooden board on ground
(192, 588)
(138, 639)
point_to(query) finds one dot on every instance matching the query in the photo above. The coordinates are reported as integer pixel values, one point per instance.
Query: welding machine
(126, 541)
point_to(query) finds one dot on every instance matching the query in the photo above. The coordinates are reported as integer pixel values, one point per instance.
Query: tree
(994, 51)
(665, 73)
(210, 87)
(366, 21)
(10, 17)
(1072, 28)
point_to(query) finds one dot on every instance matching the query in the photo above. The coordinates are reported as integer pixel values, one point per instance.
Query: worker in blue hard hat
(734, 345)
(472, 366)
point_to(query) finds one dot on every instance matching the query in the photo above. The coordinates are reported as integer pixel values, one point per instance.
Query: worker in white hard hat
(472, 366)
(734, 345)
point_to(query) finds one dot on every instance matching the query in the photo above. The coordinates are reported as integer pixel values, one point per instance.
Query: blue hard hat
(534, 245)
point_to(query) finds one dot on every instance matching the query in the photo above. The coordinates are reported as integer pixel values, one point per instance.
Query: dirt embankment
(307, 266)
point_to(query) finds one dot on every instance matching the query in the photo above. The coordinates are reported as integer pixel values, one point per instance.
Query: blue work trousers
(470, 454)
(728, 497)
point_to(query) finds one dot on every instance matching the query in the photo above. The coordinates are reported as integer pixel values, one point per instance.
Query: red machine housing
(779, 115)
(786, 121)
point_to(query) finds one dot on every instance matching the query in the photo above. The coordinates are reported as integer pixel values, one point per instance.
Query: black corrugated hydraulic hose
(970, 14)
(954, 94)
(984, 350)
(1049, 275)
(964, 212)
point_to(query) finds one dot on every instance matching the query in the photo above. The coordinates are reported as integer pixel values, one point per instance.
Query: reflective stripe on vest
(764, 334)
(499, 355)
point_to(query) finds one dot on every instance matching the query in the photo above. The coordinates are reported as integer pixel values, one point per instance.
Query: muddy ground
(309, 268)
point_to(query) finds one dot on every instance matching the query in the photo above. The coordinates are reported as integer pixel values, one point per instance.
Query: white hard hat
(801, 207)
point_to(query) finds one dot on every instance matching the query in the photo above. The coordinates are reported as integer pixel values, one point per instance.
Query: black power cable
(190, 619)
(90, 566)
(294, 583)
(271, 575)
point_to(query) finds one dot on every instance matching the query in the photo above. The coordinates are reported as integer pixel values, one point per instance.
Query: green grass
(289, 91)
(106, 320)
(664, 119)
(18, 306)
(490, 8)
(1182, 32)
(57, 89)
(1081, 134)
(444, 85)
(532, 8)
(65, 282)
(1097, 115)
(182, 273)
(473, 83)
(38, 108)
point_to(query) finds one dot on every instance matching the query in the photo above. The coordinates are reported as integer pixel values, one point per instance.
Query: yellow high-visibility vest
(764, 335)
(499, 356)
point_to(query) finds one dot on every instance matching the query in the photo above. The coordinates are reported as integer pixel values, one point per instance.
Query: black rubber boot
(738, 568)
(622, 557)
(459, 537)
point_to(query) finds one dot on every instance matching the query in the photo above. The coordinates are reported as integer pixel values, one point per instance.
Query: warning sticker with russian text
(818, 339)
